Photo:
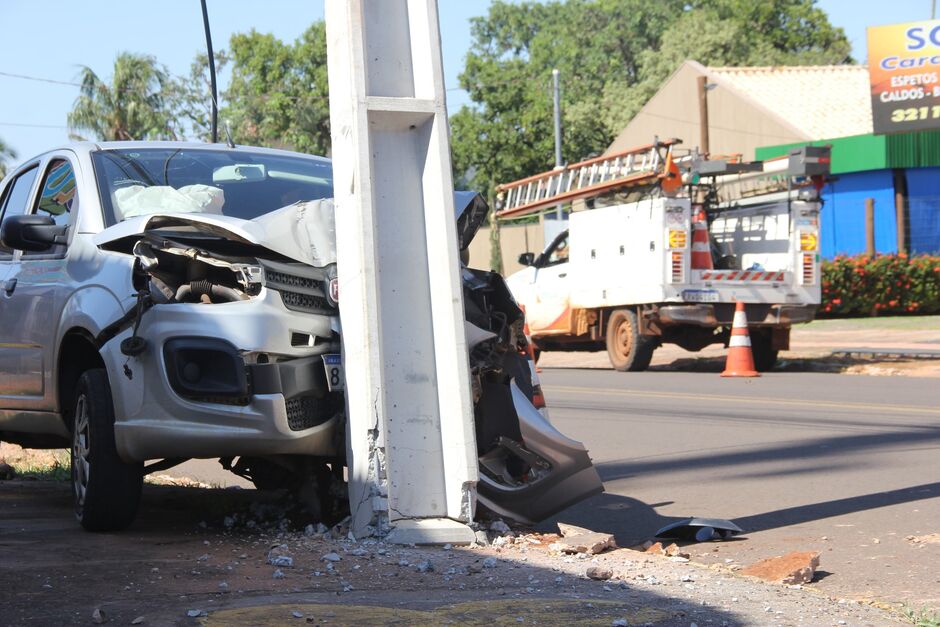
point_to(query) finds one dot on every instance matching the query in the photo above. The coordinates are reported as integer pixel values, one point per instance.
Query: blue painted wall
(843, 213)
(923, 192)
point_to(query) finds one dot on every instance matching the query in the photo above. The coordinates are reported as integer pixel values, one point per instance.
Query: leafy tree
(278, 92)
(613, 55)
(192, 98)
(5, 153)
(138, 104)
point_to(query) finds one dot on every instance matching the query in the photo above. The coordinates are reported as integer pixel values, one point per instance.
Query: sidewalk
(811, 349)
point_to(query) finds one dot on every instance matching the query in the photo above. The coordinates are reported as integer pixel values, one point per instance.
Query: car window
(237, 183)
(559, 253)
(17, 195)
(57, 198)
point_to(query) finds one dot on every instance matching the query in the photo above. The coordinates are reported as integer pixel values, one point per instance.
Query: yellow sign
(808, 241)
(678, 239)
(904, 71)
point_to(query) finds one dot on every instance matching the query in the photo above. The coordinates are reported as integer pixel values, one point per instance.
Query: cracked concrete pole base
(430, 531)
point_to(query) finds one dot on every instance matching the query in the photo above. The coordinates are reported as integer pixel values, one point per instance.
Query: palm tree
(136, 105)
(5, 153)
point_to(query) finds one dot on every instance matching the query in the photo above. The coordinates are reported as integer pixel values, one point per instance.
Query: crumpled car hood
(304, 231)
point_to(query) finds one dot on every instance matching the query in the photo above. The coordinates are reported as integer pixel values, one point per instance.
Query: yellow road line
(686, 396)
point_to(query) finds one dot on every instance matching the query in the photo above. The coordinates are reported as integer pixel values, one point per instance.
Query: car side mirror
(32, 233)
(527, 259)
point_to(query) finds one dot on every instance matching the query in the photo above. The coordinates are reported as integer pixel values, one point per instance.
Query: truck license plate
(700, 296)
(335, 379)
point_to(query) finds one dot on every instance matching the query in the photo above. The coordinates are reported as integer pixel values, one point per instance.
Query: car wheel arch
(78, 352)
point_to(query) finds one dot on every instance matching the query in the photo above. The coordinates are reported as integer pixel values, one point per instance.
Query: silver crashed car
(165, 301)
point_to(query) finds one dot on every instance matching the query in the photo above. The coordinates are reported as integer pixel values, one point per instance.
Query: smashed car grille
(302, 287)
(305, 302)
(306, 412)
(277, 279)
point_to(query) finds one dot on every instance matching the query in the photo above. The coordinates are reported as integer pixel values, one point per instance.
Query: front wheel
(627, 348)
(106, 489)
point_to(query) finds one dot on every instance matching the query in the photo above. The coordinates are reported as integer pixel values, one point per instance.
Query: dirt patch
(179, 564)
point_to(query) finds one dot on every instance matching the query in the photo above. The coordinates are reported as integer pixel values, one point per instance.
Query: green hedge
(881, 285)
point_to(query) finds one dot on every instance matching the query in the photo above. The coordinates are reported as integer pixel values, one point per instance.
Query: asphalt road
(844, 465)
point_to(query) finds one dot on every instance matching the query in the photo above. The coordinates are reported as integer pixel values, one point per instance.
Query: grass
(922, 617)
(50, 466)
(912, 323)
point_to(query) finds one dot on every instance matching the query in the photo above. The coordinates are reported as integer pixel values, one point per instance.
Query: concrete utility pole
(556, 91)
(410, 438)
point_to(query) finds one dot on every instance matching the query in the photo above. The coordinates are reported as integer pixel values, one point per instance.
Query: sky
(52, 39)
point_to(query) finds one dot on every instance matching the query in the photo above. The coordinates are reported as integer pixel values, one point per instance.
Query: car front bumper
(188, 396)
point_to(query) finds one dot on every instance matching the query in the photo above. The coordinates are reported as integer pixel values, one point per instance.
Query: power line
(40, 80)
(26, 125)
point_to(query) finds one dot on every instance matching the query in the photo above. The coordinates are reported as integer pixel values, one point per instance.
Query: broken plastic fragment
(700, 529)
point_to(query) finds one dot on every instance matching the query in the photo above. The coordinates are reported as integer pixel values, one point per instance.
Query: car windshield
(238, 183)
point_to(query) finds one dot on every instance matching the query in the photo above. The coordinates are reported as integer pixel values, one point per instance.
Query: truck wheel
(765, 356)
(106, 489)
(627, 348)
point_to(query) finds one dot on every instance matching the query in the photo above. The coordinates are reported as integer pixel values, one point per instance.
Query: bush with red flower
(880, 286)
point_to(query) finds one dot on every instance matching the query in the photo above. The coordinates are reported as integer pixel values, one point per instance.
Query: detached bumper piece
(211, 370)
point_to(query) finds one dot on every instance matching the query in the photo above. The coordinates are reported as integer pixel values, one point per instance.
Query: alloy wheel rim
(80, 453)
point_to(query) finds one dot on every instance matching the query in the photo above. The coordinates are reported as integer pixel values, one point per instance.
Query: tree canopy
(278, 92)
(5, 153)
(138, 104)
(613, 55)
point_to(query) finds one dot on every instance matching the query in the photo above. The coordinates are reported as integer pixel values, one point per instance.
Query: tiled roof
(822, 101)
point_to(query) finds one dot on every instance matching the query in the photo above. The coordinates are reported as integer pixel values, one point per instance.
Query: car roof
(87, 147)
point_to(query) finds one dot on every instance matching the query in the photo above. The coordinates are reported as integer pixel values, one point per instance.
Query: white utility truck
(660, 247)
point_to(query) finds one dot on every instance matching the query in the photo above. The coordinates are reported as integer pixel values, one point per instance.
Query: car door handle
(562, 275)
(8, 286)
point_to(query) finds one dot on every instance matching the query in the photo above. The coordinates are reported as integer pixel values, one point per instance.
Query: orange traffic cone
(701, 248)
(740, 358)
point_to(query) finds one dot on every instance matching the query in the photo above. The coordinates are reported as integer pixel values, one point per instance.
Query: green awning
(858, 153)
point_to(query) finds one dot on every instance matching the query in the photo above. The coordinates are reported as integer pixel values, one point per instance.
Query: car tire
(765, 356)
(627, 348)
(105, 488)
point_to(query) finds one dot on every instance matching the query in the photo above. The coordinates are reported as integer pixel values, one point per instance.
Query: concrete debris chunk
(194, 613)
(590, 543)
(599, 573)
(425, 567)
(279, 555)
(481, 537)
(489, 562)
(673, 550)
(331, 557)
(278, 574)
(499, 526)
(98, 617)
(565, 530)
(797, 567)
(138, 621)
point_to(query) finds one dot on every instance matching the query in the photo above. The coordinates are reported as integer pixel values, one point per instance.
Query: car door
(19, 377)
(34, 301)
(548, 310)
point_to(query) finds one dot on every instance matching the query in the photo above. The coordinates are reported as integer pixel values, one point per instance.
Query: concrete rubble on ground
(798, 567)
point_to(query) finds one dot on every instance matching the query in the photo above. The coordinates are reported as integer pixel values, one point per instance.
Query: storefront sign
(904, 70)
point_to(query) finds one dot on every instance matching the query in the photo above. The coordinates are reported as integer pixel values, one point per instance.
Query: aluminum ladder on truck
(643, 165)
